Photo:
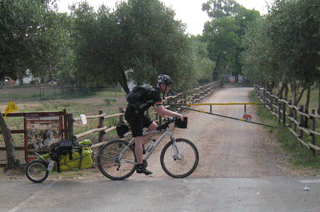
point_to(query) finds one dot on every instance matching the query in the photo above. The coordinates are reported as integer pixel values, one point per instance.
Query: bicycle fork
(176, 155)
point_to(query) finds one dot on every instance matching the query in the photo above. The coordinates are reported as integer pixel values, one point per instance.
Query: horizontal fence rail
(195, 95)
(302, 124)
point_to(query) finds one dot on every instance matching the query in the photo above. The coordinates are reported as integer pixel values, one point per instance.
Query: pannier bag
(122, 129)
(85, 156)
(69, 155)
(181, 124)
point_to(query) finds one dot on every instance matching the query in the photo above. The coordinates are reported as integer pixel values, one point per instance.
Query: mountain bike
(179, 157)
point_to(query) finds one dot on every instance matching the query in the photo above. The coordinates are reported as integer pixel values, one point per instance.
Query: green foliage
(220, 8)
(202, 64)
(222, 41)
(28, 39)
(284, 47)
(137, 41)
(224, 33)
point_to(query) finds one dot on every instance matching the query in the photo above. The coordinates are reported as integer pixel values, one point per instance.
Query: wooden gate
(39, 129)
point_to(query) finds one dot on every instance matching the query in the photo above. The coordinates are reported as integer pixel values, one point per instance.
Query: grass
(33, 93)
(314, 95)
(300, 154)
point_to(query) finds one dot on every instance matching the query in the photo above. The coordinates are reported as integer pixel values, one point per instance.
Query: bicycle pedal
(148, 173)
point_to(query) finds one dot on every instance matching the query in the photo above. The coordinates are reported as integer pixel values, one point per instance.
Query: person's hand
(181, 117)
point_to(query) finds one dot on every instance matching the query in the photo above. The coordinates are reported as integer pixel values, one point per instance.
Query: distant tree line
(224, 32)
(136, 41)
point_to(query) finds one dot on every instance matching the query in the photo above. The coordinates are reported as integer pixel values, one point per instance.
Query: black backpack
(137, 97)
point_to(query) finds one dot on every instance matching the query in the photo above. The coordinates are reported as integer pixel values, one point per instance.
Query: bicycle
(179, 158)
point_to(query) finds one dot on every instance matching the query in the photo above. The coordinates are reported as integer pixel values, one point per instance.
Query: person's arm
(159, 108)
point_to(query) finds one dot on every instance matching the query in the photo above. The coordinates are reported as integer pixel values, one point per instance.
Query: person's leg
(147, 122)
(153, 126)
(138, 141)
(137, 122)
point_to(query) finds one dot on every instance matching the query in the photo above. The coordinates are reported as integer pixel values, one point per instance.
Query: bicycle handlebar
(168, 121)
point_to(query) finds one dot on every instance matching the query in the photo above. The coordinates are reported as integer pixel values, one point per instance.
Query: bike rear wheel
(182, 163)
(36, 171)
(112, 164)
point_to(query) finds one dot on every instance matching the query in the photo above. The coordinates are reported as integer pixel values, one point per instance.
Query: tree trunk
(308, 98)
(123, 82)
(307, 105)
(12, 163)
(282, 88)
(294, 93)
(286, 92)
(319, 99)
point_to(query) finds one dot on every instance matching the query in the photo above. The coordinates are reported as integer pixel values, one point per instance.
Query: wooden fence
(301, 123)
(67, 132)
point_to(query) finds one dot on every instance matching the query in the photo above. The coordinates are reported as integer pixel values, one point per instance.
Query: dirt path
(229, 148)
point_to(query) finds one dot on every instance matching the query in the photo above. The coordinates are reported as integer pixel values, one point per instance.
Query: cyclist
(138, 120)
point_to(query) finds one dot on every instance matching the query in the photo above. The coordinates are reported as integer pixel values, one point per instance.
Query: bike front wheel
(36, 171)
(116, 160)
(179, 159)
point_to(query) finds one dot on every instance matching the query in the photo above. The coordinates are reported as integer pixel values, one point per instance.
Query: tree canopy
(224, 33)
(137, 41)
(28, 37)
(284, 46)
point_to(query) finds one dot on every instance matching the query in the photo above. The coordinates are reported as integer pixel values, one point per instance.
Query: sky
(188, 11)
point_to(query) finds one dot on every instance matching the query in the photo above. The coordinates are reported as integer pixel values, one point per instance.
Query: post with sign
(41, 130)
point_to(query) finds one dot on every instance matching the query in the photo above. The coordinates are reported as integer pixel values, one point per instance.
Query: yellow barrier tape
(223, 104)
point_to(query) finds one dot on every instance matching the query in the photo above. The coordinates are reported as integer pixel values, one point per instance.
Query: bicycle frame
(167, 132)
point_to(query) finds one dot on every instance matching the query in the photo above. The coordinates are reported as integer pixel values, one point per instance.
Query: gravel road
(230, 148)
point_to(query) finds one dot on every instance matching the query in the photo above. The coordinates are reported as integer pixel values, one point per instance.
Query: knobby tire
(179, 167)
(108, 160)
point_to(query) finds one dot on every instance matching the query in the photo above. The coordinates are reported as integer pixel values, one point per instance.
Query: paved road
(159, 194)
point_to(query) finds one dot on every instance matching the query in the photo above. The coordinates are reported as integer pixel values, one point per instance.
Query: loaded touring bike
(116, 160)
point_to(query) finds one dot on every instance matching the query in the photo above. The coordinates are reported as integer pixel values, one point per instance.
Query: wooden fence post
(66, 130)
(306, 119)
(295, 118)
(301, 122)
(284, 108)
(101, 133)
(290, 114)
(313, 127)
(70, 126)
(121, 117)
